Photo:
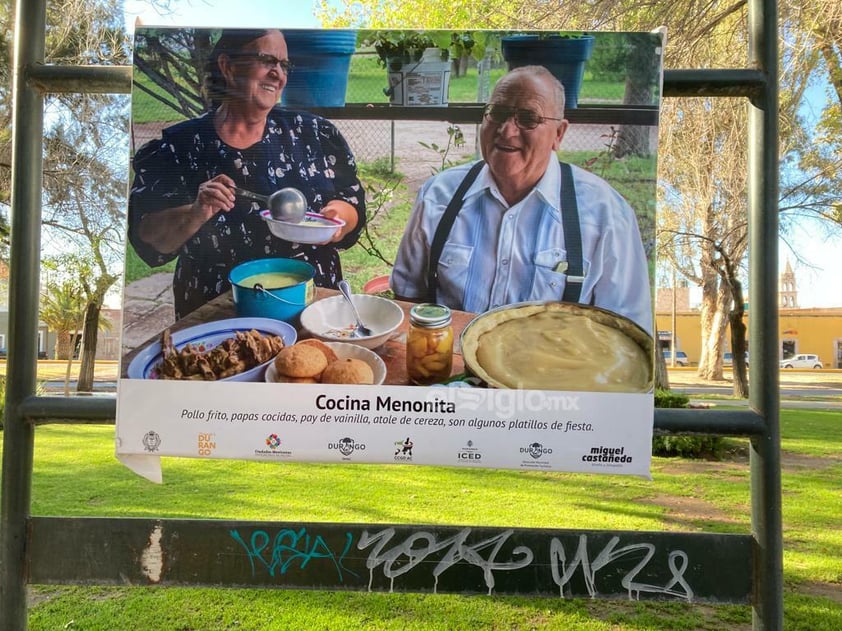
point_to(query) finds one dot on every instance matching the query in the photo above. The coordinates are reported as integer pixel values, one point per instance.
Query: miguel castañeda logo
(602, 456)
(346, 446)
(469, 453)
(538, 453)
(273, 443)
(403, 450)
(151, 441)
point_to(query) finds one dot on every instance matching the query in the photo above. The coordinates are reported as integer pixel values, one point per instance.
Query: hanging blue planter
(564, 56)
(321, 60)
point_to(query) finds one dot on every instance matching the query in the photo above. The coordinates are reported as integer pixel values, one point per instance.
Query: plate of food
(237, 349)
(314, 361)
(558, 346)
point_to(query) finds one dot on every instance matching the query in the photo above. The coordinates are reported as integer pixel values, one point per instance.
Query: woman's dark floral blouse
(298, 149)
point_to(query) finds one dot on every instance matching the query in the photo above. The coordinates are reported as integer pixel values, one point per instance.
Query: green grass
(75, 473)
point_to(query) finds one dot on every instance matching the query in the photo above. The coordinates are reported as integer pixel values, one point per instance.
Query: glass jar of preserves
(429, 344)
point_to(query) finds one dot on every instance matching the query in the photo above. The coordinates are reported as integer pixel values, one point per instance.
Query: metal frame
(24, 410)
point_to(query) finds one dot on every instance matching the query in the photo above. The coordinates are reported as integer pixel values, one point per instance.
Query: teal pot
(272, 288)
(321, 60)
(565, 57)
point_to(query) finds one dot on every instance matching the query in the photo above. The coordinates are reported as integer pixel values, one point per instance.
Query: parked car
(681, 358)
(728, 359)
(802, 361)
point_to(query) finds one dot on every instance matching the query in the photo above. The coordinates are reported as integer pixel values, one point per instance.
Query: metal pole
(673, 334)
(766, 514)
(18, 439)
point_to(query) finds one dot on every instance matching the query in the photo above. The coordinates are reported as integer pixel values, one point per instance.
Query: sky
(818, 282)
(210, 13)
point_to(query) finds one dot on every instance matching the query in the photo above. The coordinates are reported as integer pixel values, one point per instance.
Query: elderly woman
(182, 203)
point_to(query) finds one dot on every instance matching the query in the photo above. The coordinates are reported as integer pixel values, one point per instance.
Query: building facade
(817, 331)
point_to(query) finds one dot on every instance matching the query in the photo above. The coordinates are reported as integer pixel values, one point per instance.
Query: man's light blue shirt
(498, 254)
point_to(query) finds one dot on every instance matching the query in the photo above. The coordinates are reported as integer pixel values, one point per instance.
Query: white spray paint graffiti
(402, 558)
(414, 550)
(608, 555)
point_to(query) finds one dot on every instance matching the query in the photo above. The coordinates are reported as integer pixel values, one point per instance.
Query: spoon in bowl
(287, 204)
(360, 330)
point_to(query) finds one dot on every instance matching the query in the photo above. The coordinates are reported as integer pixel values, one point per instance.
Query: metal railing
(24, 410)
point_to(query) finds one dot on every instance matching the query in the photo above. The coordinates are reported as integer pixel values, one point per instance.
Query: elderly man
(519, 225)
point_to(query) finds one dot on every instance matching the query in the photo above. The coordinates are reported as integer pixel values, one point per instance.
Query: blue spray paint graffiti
(290, 547)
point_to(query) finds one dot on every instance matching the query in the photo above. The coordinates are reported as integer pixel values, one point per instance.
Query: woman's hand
(339, 209)
(214, 196)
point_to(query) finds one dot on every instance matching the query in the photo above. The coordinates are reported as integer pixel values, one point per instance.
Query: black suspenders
(569, 220)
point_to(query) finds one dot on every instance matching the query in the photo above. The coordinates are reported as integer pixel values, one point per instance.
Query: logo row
(535, 455)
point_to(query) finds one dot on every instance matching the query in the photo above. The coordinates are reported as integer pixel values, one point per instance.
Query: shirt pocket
(453, 271)
(549, 278)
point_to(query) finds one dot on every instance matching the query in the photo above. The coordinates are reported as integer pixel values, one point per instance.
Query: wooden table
(393, 352)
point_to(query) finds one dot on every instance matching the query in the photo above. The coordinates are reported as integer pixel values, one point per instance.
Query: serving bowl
(331, 319)
(272, 288)
(315, 228)
(344, 350)
(208, 335)
(558, 346)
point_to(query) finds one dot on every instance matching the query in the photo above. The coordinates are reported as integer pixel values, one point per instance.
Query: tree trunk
(69, 366)
(64, 345)
(662, 380)
(459, 65)
(85, 382)
(714, 306)
(738, 342)
(642, 72)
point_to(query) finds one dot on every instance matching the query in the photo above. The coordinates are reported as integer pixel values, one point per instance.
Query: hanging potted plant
(416, 63)
(563, 54)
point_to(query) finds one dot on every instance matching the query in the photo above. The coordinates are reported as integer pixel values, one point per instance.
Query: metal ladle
(287, 204)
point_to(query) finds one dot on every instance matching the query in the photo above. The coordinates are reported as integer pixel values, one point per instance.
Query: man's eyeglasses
(268, 61)
(524, 119)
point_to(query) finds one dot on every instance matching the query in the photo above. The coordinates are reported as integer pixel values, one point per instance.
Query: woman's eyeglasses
(268, 61)
(524, 119)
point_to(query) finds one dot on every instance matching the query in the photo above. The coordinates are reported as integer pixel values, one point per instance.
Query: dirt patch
(831, 591)
(690, 512)
(798, 462)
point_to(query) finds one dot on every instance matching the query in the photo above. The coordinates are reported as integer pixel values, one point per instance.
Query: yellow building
(817, 331)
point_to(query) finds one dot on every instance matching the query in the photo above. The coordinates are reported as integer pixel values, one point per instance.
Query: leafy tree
(85, 161)
(174, 60)
(62, 309)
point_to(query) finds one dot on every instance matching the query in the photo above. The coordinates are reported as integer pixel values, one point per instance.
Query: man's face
(516, 156)
(255, 75)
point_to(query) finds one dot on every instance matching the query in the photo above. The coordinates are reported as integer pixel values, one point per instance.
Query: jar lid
(429, 314)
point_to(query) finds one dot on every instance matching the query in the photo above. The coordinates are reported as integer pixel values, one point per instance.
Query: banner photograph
(397, 247)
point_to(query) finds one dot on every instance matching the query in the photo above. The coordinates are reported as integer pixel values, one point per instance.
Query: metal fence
(47, 549)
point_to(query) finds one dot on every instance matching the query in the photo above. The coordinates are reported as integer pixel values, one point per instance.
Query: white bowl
(315, 228)
(346, 351)
(331, 319)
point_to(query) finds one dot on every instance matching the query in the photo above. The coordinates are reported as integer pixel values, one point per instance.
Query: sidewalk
(827, 379)
(147, 309)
